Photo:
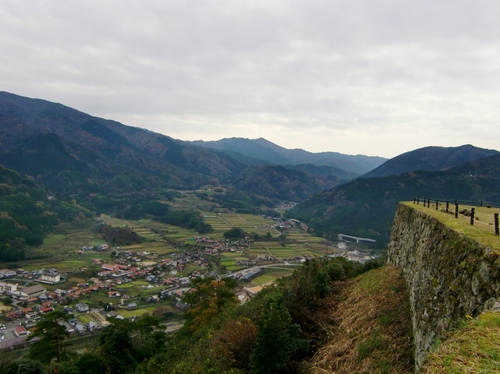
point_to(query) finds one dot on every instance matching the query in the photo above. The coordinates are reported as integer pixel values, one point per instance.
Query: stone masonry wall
(449, 276)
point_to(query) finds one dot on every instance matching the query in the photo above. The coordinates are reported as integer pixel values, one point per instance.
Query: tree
(24, 366)
(234, 233)
(116, 348)
(52, 334)
(209, 298)
(90, 363)
(277, 338)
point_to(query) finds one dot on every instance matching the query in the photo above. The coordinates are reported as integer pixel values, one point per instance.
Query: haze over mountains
(104, 162)
(263, 151)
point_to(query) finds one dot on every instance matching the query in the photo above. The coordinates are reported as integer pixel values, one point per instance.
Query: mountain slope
(278, 182)
(269, 152)
(27, 214)
(431, 159)
(366, 206)
(128, 146)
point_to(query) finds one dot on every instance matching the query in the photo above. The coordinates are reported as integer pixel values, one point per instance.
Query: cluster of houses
(6, 273)
(213, 246)
(91, 248)
(50, 276)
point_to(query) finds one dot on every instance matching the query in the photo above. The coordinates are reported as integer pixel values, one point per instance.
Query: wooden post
(437, 204)
(447, 206)
(496, 225)
(428, 202)
(472, 211)
(425, 201)
(418, 200)
(456, 209)
(481, 202)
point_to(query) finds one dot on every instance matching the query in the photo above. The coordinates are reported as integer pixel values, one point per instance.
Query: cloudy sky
(357, 77)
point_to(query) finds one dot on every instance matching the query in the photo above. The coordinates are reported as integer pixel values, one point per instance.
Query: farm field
(269, 275)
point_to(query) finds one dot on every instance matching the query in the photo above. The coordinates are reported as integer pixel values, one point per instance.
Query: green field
(270, 275)
(136, 312)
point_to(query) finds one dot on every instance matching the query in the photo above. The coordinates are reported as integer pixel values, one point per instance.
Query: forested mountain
(365, 207)
(268, 152)
(430, 159)
(278, 182)
(106, 148)
(74, 153)
(27, 214)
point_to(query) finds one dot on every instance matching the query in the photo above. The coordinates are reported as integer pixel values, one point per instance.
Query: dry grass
(370, 329)
(474, 348)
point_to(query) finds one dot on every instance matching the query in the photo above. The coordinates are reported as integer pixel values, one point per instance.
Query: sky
(377, 78)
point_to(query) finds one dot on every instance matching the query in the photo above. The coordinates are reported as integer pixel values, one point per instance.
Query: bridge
(357, 239)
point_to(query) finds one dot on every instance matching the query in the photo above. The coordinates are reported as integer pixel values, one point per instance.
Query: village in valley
(99, 282)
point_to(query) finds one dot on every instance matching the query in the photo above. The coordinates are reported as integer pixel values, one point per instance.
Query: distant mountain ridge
(430, 159)
(264, 150)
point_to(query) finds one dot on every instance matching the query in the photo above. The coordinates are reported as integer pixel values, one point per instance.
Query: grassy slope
(473, 348)
(369, 329)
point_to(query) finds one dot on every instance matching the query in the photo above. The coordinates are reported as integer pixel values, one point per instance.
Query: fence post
(437, 204)
(496, 224)
(472, 210)
(447, 206)
(481, 202)
(418, 200)
(456, 209)
(428, 202)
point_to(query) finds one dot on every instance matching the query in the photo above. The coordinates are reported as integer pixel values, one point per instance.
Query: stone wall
(449, 276)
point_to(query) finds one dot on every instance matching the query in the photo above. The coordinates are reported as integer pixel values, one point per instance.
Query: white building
(7, 288)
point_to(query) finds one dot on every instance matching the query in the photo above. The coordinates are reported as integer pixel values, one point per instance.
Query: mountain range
(69, 152)
(111, 166)
(259, 151)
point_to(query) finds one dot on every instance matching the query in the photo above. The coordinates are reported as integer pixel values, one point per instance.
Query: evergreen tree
(277, 338)
(52, 335)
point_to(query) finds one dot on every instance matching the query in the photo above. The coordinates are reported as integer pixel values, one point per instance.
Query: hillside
(27, 214)
(368, 327)
(430, 159)
(277, 182)
(268, 152)
(365, 207)
(106, 147)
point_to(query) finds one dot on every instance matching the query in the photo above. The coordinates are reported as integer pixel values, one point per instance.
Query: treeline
(137, 206)
(272, 333)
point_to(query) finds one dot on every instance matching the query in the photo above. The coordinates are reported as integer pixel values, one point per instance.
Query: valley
(151, 277)
(118, 235)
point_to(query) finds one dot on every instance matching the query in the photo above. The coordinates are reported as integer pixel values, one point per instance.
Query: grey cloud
(359, 70)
